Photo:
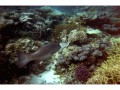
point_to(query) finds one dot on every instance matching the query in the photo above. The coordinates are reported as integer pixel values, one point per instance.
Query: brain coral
(108, 72)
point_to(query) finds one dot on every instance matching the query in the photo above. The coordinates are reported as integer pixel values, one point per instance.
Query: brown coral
(82, 73)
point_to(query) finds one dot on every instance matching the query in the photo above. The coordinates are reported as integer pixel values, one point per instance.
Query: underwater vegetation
(87, 49)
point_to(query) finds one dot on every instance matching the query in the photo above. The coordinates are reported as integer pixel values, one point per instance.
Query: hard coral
(108, 72)
(63, 55)
(44, 11)
(89, 55)
(77, 35)
(59, 29)
(111, 29)
(24, 44)
(69, 24)
(70, 75)
(82, 73)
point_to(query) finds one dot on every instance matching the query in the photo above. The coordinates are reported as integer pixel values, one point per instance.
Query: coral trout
(42, 53)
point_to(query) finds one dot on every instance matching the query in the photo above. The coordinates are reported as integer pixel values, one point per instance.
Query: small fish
(42, 53)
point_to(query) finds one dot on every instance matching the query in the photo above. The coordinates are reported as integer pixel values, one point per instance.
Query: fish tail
(23, 58)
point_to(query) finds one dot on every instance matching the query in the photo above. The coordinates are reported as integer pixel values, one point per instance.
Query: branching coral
(70, 75)
(108, 72)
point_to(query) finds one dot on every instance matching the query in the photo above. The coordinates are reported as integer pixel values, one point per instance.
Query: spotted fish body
(42, 53)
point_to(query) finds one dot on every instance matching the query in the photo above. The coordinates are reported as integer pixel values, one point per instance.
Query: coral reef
(19, 28)
(112, 29)
(108, 72)
(76, 35)
(106, 20)
(82, 73)
(81, 53)
(87, 55)
(67, 25)
(8, 61)
(24, 44)
(27, 23)
(87, 46)
(89, 52)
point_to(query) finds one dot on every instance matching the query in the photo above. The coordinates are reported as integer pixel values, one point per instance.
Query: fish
(42, 53)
